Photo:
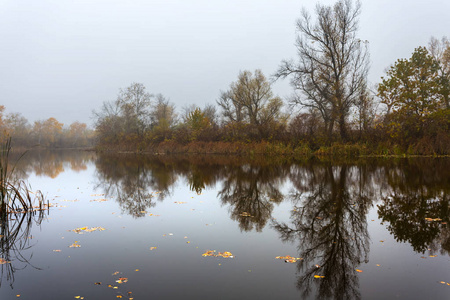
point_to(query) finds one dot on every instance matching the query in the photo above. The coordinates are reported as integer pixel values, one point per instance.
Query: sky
(64, 58)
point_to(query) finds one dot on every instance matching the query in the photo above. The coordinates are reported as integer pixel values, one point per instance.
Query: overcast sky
(63, 58)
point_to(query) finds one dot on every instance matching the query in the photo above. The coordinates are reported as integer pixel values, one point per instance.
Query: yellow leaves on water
(319, 276)
(79, 297)
(3, 261)
(359, 271)
(82, 230)
(289, 259)
(115, 273)
(180, 202)
(152, 248)
(443, 282)
(225, 254)
(99, 200)
(209, 253)
(57, 250)
(214, 253)
(75, 245)
(245, 214)
(122, 280)
(433, 255)
(433, 220)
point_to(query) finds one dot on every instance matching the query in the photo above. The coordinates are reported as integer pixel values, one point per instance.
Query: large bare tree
(331, 71)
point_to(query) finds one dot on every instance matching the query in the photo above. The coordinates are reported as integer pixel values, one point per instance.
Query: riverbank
(300, 150)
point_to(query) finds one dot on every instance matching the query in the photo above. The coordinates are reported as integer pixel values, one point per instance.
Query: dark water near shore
(370, 229)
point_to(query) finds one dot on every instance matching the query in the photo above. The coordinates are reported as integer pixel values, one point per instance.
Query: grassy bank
(300, 150)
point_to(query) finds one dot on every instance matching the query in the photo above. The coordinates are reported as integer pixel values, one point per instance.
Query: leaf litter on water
(214, 253)
(289, 259)
(82, 230)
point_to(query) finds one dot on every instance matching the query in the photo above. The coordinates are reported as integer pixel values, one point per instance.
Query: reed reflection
(15, 239)
(329, 223)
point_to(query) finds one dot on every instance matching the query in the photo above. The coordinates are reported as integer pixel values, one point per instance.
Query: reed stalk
(15, 194)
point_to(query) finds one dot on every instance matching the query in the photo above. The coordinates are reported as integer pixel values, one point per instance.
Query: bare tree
(232, 110)
(440, 50)
(135, 104)
(331, 72)
(250, 99)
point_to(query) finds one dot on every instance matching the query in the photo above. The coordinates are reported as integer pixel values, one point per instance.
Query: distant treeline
(46, 133)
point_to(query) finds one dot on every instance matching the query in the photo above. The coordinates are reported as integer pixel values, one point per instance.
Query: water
(374, 229)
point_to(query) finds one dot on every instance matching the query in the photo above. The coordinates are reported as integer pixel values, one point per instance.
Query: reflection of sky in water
(176, 268)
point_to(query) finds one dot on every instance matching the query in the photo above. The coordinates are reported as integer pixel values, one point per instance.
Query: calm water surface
(369, 229)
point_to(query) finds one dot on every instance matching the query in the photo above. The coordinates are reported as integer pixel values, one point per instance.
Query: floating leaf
(98, 283)
(82, 230)
(319, 276)
(213, 253)
(122, 280)
(209, 253)
(433, 220)
(75, 245)
(225, 254)
(289, 259)
(180, 202)
(115, 273)
(152, 248)
(359, 271)
(99, 200)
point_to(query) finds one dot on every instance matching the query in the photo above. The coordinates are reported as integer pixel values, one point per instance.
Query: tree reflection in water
(330, 203)
(418, 204)
(251, 191)
(134, 181)
(329, 222)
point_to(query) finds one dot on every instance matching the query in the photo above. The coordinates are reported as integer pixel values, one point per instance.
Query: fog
(63, 58)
